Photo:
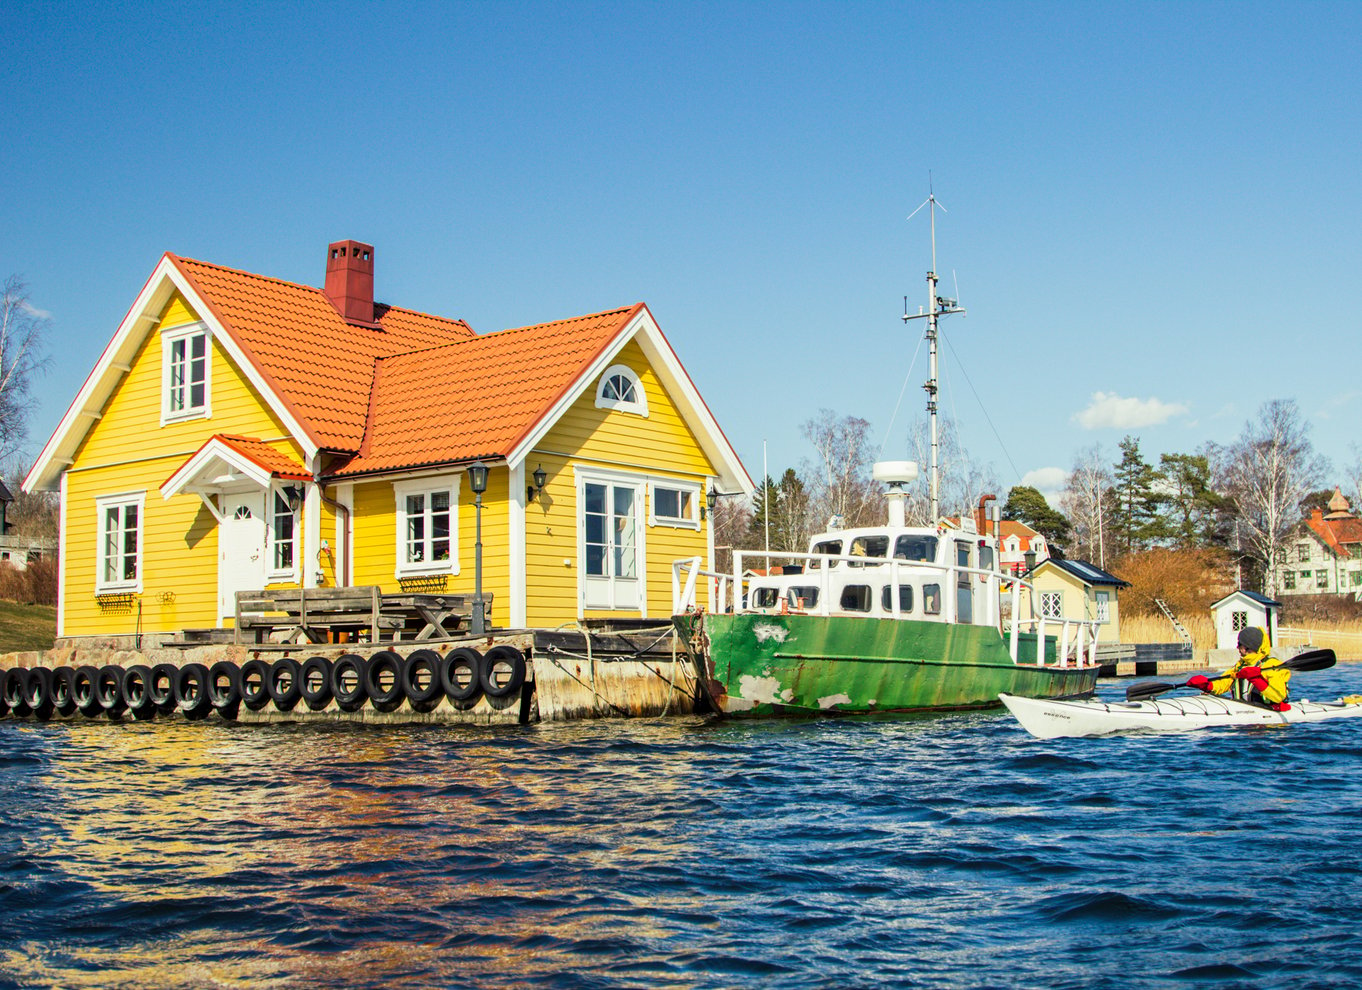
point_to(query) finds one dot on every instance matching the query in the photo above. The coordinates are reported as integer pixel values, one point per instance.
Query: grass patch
(26, 627)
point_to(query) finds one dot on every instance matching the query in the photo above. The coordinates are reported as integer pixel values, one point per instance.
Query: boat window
(803, 597)
(986, 558)
(764, 597)
(856, 598)
(905, 598)
(931, 599)
(832, 547)
(915, 548)
(962, 554)
(869, 546)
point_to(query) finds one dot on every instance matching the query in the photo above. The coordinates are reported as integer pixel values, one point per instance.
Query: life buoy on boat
(503, 671)
(461, 674)
(383, 680)
(314, 682)
(192, 693)
(347, 682)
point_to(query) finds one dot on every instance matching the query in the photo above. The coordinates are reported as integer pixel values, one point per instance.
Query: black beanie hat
(1251, 639)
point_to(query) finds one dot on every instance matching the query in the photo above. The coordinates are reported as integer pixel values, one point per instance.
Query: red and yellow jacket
(1276, 690)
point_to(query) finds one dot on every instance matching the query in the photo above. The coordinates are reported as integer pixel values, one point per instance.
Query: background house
(1324, 554)
(1074, 589)
(1241, 610)
(242, 432)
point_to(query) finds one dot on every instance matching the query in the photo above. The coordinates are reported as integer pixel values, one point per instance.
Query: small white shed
(1240, 610)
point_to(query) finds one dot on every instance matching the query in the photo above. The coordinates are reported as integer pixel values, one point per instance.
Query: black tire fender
(503, 671)
(224, 685)
(422, 665)
(283, 685)
(314, 682)
(109, 689)
(161, 687)
(38, 692)
(64, 691)
(136, 690)
(255, 679)
(13, 687)
(347, 682)
(84, 693)
(192, 693)
(461, 673)
(383, 680)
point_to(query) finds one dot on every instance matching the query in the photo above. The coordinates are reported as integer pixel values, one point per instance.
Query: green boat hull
(754, 664)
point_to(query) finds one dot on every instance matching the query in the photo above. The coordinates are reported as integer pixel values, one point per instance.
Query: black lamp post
(477, 480)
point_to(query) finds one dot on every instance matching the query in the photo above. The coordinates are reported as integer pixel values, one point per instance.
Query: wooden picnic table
(315, 614)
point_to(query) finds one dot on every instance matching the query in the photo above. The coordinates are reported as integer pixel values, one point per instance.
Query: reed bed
(1344, 638)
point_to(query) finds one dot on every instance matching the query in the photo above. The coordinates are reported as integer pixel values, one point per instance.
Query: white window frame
(1101, 604)
(690, 521)
(1047, 610)
(613, 479)
(275, 575)
(426, 486)
(638, 405)
(169, 338)
(103, 504)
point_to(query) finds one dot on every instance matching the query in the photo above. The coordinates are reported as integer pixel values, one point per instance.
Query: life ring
(383, 680)
(161, 687)
(84, 693)
(109, 689)
(314, 683)
(282, 684)
(347, 682)
(38, 692)
(224, 688)
(503, 671)
(255, 678)
(191, 691)
(63, 691)
(421, 680)
(461, 674)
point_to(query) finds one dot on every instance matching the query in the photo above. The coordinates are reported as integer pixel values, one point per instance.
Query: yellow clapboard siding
(128, 450)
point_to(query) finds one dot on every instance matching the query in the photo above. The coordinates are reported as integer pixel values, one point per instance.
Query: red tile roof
(321, 366)
(274, 461)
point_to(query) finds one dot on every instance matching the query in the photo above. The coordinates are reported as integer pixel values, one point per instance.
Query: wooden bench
(313, 613)
(428, 616)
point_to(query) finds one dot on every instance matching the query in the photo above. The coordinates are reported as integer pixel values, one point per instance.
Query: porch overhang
(231, 464)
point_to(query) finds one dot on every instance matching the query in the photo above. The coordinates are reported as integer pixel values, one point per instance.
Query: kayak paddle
(1310, 660)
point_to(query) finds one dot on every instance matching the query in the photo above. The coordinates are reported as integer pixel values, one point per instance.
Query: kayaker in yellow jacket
(1257, 678)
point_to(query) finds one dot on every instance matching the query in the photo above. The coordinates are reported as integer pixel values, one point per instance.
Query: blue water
(944, 851)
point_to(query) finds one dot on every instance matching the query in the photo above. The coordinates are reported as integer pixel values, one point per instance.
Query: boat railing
(1075, 639)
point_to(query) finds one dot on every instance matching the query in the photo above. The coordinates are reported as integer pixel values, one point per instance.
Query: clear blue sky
(1153, 208)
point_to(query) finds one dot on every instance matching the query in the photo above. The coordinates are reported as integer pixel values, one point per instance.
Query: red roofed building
(1324, 555)
(240, 432)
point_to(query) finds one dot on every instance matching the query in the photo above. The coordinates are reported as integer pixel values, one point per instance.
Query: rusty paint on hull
(800, 664)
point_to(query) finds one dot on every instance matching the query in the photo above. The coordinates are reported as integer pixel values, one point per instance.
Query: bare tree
(1087, 501)
(1266, 473)
(23, 333)
(839, 481)
(731, 518)
(962, 480)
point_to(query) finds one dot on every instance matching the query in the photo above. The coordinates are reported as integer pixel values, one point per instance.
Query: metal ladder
(1182, 632)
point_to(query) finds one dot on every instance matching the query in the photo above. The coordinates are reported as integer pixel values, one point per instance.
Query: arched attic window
(620, 389)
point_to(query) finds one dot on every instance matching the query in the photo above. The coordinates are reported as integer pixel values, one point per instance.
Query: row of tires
(383, 681)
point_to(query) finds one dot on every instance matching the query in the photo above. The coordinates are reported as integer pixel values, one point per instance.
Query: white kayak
(1051, 719)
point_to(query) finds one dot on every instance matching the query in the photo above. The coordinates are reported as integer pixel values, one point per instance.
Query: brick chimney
(350, 281)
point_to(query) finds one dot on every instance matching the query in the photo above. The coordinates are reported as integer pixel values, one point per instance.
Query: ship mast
(937, 306)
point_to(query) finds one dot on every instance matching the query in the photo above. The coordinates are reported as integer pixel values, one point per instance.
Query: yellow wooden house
(1074, 589)
(240, 432)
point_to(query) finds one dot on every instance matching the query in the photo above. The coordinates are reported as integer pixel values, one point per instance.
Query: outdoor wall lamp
(712, 499)
(293, 495)
(540, 479)
(477, 480)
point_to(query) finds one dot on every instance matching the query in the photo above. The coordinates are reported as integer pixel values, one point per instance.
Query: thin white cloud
(35, 312)
(1112, 412)
(1049, 481)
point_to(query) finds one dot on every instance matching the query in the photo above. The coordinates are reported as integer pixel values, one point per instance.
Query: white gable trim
(214, 467)
(116, 361)
(665, 364)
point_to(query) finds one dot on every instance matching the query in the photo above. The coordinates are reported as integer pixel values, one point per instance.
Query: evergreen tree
(1028, 505)
(1136, 508)
(1196, 514)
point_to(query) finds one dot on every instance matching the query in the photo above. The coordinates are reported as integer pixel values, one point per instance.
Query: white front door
(612, 554)
(241, 548)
